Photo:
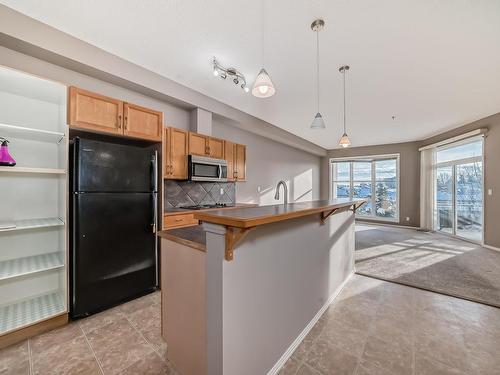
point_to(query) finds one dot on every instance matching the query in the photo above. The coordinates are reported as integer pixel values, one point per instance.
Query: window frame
(372, 159)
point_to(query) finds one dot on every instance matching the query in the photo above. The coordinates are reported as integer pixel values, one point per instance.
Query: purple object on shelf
(5, 158)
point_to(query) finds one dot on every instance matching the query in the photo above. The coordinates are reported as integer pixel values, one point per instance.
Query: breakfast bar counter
(247, 217)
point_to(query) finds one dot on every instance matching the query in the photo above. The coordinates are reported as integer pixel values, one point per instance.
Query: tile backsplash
(188, 193)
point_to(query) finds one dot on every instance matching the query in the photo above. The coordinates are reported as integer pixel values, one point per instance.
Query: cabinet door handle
(177, 220)
(119, 121)
(171, 169)
(126, 126)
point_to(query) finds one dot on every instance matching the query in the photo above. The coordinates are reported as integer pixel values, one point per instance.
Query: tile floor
(122, 340)
(373, 327)
(376, 327)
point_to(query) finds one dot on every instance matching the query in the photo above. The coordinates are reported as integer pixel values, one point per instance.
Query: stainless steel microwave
(207, 169)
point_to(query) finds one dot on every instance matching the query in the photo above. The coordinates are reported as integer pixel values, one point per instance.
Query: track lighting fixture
(222, 72)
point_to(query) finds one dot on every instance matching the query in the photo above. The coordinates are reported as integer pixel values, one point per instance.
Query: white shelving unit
(44, 222)
(33, 232)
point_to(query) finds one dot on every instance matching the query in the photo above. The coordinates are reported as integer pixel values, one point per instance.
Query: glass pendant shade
(318, 122)
(263, 86)
(344, 141)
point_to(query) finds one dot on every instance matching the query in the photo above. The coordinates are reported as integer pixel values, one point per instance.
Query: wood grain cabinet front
(90, 111)
(216, 148)
(235, 155)
(198, 144)
(97, 113)
(240, 162)
(141, 122)
(176, 147)
(178, 221)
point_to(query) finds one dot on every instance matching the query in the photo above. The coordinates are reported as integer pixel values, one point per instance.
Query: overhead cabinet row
(181, 143)
(94, 112)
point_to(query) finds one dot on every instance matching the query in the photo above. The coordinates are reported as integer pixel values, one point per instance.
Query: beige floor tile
(370, 368)
(145, 317)
(329, 359)
(151, 364)
(307, 370)
(71, 357)
(118, 345)
(56, 337)
(351, 314)
(100, 320)
(291, 367)
(426, 366)
(153, 337)
(138, 304)
(345, 337)
(301, 352)
(14, 360)
(388, 355)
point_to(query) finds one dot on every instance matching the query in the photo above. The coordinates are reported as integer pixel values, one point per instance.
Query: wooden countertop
(180, 211)
(253, 216)
(193, 236)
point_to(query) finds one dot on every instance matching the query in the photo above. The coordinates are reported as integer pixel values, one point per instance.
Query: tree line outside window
(375, 180)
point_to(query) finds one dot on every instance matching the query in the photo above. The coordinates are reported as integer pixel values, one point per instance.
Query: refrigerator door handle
(155, 220)
(154, 161)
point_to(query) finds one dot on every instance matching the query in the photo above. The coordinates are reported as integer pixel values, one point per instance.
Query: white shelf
(14, 131)
(24, 224)
(30, 311)
(10, 269)
(32, 170)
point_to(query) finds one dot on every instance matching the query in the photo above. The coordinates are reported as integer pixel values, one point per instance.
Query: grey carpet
(429, 261)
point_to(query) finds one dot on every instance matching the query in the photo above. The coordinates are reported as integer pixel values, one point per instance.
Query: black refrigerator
(113, 210)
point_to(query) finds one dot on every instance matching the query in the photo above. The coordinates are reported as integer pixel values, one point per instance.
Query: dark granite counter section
(193, 236)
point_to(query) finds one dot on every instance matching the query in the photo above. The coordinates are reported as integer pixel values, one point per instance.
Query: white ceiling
(434, 64)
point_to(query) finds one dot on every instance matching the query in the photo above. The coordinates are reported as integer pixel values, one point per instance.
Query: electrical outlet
(407, 218)
(490, 191)
(221, 191)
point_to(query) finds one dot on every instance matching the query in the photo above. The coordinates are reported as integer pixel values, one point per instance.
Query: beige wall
(491, 172)
(267, 163)
(409, 203)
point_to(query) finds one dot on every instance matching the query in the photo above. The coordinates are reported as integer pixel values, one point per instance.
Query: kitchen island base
(256, 307)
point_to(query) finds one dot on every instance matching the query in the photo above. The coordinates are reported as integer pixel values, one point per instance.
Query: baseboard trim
(288, 353)
(492, 247)
(395, 225)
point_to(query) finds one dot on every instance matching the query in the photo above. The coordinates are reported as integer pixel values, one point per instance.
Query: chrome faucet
(285, 192)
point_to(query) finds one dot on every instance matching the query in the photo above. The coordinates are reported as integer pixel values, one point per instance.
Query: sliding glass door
(459, 190)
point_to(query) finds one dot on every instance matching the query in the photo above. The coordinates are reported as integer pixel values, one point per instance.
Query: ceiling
(433, 64)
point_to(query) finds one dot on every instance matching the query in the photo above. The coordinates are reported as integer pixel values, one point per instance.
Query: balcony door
(459, 190)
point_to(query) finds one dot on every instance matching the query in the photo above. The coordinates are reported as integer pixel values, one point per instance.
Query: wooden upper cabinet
(198, 144)
(235, 155)
(240, 162)
(140, 122)
(91, 111)
(229, 155)
(176, 154)
(216, 148)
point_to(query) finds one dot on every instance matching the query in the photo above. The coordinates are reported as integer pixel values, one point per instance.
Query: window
(373, 178)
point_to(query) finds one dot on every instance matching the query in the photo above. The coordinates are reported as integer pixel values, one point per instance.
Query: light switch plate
(490, 191)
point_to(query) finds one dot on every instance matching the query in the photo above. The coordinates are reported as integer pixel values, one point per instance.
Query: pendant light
(318, 122)
(263, 87)
(344, 140)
